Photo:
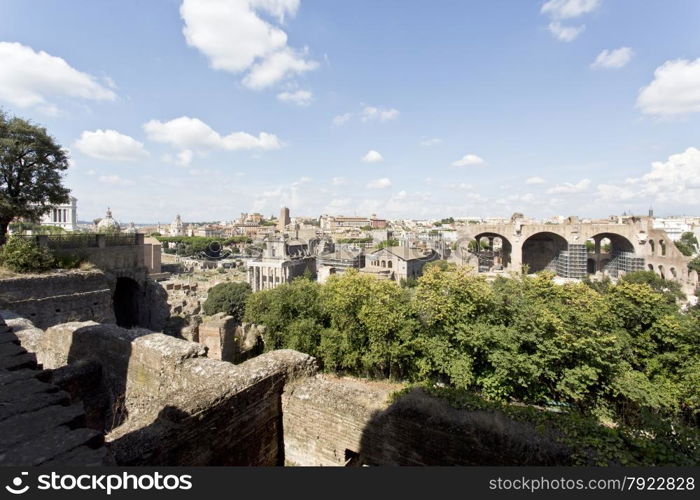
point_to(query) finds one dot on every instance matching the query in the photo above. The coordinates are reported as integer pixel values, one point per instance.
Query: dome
(108, 224)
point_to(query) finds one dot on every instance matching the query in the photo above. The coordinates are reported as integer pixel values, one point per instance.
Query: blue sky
(417, 109)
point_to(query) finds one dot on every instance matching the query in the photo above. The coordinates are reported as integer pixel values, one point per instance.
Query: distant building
(284, 219)
(177, 228)
(281, 262)
(397, 263)
(338, 261)
(63, 216)
(107, 224)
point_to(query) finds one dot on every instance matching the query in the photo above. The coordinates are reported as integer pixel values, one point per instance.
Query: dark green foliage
(694, 265)
(620, 352)
(187, 246)
(31, 163)
(687, 244)
(23, 255)
(229, 298)
(388, 243)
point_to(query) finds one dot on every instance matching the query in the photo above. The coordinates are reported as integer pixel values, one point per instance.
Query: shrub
(229, 298)
(23, 255)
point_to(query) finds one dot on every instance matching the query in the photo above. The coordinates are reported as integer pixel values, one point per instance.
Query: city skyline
(564, 107)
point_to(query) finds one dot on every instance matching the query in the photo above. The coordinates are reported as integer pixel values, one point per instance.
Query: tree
(229, 298)
(31, 163)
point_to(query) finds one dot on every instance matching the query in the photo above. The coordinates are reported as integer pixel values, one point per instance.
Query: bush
(229, 298)
(23, 255)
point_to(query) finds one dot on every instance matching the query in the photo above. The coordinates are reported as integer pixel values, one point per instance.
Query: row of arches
(551, 251)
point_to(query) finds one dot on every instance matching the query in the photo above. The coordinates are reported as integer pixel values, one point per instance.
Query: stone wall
(333, 421)
(59, 297)
(173, 406)
(228, 340)
(65, 296)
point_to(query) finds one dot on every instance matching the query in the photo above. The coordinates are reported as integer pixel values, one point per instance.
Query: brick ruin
(83, 392)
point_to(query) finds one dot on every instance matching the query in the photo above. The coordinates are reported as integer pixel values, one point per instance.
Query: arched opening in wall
(650, 267)
(673, 272)
(590, 266)
(493, 251)
(389, 264)
(662, 246)
(126, 302)
(612, 253)
(541, 251)
(652, 246)
(661, 272)
(383, 263)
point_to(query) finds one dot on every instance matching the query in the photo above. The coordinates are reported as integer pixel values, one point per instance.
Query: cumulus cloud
(372, 156)
(469, 160)
(193, 134)
(568, 9)
(382, 183)
(675, 89)
(570, 188)
(30, 79)
(368, 113)
(299, 97)
(613, 59)
(565, 33)
(235, 38)
(674, 181)
(379, 113)
(110, 145)
(535, 180)
(341, 119)
(558, 10)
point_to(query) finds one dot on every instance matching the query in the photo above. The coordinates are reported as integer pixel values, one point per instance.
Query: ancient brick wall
(59, 297)
(174, 406)
(330, 421)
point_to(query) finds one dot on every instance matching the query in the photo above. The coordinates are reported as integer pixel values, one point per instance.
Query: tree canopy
(31, 163)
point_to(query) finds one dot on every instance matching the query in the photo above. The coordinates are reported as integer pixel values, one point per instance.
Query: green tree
(23, 255)
(31, 163)
(391, 242)
(229, 298)
(371, 326)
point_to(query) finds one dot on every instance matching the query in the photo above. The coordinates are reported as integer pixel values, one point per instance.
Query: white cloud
(426, 142)
(188, 133)
(675, 89)
(558, 10)
(570, 188)
(235, 38)
(379, 113)
(611, 59)
(568, 9)
(110, 145)
(535, 180)
(565, 33)
(30, 79)
(341, 119)
(468, 160)
(382, 183)
(115, 180)
(184, 157)
(675, 181)
(372, 156)
(339, 181)
(299, 97)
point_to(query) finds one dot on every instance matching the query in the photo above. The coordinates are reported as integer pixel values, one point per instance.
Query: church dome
(108, 224)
